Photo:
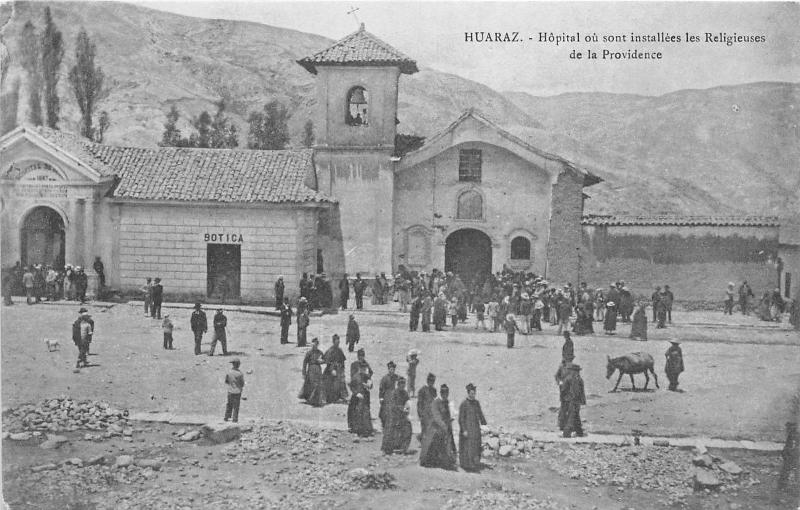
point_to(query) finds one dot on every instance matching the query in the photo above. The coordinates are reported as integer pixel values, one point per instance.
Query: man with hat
(573, 392)
(199, 325)
(353, 335)
(674, 365)
(167, 327)
(158, 298)
(563, 395)
(302, 321)
(220, 323)
(359, 286)
(470, 419)
(333, 376)
(82, 330)
(344, 292)
(425, 398)
(388, 383)
(286, 320)
(234, 380)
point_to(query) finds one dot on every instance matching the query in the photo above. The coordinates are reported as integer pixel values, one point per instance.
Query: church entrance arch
(42, 238)
(468, 253)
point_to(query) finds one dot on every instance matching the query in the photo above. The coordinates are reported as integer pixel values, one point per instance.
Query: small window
(520, 249)
(470, 206)
(469, 165)
(357, 102)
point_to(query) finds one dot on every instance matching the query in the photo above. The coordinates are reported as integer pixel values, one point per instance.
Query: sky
(434, 34)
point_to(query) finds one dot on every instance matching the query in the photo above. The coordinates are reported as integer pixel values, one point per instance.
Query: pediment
(27, 157)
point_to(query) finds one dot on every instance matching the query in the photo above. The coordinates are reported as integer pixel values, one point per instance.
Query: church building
(223, 224)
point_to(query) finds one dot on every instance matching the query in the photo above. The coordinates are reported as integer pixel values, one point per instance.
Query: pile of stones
(64, 414)
(504, 444)
(500, 499)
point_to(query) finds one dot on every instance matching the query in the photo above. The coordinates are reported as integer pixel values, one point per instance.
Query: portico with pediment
(52, 208)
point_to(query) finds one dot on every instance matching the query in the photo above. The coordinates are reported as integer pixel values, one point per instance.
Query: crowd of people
(40, 282)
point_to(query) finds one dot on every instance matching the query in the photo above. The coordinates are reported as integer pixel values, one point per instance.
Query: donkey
(633, 363)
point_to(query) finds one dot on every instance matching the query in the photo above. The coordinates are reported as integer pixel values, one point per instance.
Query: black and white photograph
(416, 255)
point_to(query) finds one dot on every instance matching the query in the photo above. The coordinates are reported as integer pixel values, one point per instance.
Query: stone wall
(170, 242)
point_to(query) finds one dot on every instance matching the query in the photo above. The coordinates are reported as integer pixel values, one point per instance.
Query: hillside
(686, 152)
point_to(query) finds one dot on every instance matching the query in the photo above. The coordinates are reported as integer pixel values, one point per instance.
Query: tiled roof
(183, 174)
(688, 221)
(359, 49)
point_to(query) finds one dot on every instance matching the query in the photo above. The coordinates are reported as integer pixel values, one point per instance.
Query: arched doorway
(468, 253)
(42, 238)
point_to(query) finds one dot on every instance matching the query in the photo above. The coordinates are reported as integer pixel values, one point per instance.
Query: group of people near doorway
(53, 283)
(770, 307)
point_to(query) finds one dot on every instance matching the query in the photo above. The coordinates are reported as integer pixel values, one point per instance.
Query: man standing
(234, 380)
(360, 363)
(199, 325)
(157, 291)
(333, 376)
(563, 391)
(572, 388)
(286, 320)
(220, 323)
(147, 296)
(82, 330)
(99, 268)
(655, 298)
(27, 282)
(388, 383)
(470, 419)
(358, 287)
(745, 293)
(669, 298)
(302, 322)
(167, 326)
(344, 291)
(353, 334)
(425, 311)
(674, 365)
(425, 398)
(416, 309)
(279, 288)
(661, 311)
(81, 283)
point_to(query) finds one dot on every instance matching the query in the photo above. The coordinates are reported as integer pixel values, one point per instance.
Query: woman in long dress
(359, 418)
(610, 320)
(313, 392)
(639, 325)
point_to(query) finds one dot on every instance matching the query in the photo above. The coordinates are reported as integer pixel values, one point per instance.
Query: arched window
(520, 249)
(357, 101)
(470, 206)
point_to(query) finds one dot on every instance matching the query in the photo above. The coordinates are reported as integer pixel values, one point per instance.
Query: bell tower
(355, 126)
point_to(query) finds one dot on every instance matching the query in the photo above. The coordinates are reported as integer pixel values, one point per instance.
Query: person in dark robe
(625, 304)
(427, 306)
(425, 397)
(669, 299)
(654, 299)
(510, 325)
(439, 312)
(661, 313)
(387, 384)
(333, 377)
(359, 286)
(313, 391)
(302, 322)
(575, 395)
(745, 294)
(344, 292)
(470, 419)
(674, 365)
(286, 320)
(359, 418)
(438, 447)
(563, 394)
(353, 335)
(359, 363)
(416, 310)
(794, 312)
(639, 325)
(279, 289)
(324, 292)
(580, 327)
(568, 349)
(397, 434)
(305, 286)
(610, 320)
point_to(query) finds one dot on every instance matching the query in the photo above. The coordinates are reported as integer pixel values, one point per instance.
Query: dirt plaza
(741, 382)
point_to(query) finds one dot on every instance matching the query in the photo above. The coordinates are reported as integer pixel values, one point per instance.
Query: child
(511, 327)
(167, 326)
(413, 361)
(452, 311)
(479, 311)
(235, 382)
(491, 310)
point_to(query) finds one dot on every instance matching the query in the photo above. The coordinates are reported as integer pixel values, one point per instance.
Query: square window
(469, 165)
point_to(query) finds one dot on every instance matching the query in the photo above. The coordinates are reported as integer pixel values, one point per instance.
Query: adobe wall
(564, 245)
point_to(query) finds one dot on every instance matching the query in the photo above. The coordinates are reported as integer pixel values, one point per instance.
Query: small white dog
(52, 345)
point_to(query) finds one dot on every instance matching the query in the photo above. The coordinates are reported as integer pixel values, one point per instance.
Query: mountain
(689, 152)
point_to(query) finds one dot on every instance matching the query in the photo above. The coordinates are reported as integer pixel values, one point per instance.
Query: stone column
(89, 246)
(72, 250)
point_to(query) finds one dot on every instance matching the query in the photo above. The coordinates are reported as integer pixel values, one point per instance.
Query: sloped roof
(680, 221)
(188, 174)
(589, 178)
(360, 48)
